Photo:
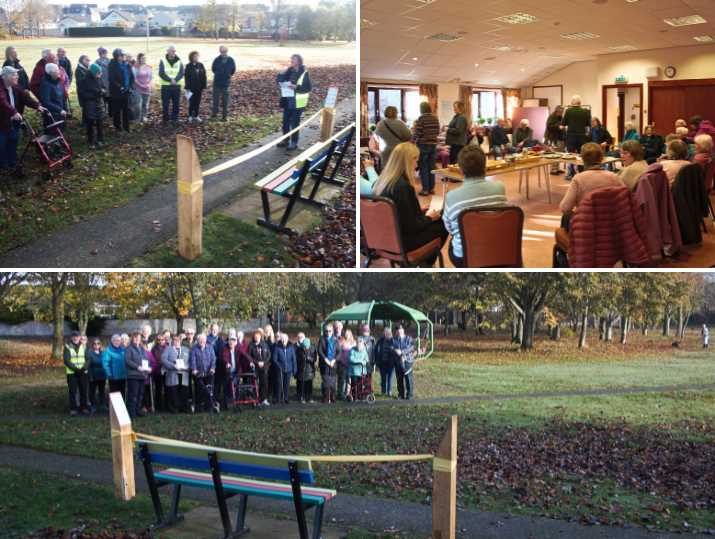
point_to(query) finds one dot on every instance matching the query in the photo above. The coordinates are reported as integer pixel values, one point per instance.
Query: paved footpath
(348, 510)
(116, 236)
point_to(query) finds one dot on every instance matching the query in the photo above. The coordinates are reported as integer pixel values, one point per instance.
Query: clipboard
(286, 90)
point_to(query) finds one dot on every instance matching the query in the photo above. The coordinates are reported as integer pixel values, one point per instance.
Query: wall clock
(670, 72)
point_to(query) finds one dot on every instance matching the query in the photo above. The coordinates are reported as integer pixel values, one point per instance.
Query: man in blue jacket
(404, 349)
(223, 69)
(203, 366)
(285, 361)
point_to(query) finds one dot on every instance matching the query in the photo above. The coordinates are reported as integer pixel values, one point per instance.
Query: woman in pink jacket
(143, 76)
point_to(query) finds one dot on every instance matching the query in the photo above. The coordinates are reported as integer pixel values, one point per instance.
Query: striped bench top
(313, 495)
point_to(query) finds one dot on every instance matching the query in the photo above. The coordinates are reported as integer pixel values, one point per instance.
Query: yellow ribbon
(116, 433)
(444, 465)
(187, 188)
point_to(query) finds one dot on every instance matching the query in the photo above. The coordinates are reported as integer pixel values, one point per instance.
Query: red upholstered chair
(491, 237)
(380, 230)
(709, 181)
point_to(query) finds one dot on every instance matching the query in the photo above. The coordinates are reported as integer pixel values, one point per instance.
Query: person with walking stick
(285, 362)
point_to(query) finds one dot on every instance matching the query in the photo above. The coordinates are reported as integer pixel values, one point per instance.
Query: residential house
(123, 19)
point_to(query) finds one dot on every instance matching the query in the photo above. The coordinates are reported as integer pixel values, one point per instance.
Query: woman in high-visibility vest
(76, 369)
(295, 92)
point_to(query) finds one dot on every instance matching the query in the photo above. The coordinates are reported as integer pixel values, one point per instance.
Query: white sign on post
(332, 97)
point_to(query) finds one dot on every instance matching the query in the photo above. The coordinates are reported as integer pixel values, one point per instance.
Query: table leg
(548, 181)
(526, 175)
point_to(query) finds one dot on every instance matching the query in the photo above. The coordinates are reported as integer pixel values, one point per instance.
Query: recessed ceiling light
(444, 37)
(632, 1)
(415, 58)
(476, 65)
(522, 69)
(580, 36)
(704, 39)
(685, 21)
(517, 18)
(425, 1)
(623, 48)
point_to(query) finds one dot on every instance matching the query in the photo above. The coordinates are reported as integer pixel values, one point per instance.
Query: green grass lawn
(641, 459)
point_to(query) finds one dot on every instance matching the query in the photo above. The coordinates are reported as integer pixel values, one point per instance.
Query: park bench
(288, 180)
(230, 473)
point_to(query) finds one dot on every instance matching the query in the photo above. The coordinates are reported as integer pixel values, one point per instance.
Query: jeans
(328, 387)
(405, 382)
(386, 374)
(97, 397)
(144, 106)
(120, 112)
(280, 390)
(194, 104)
(135, 395)
(342, 380)
(291, 120)
(77, 386)
(222, 93)
(8, 148)
(262, 384)
(94, 131)
(428, 155)
(170, 94)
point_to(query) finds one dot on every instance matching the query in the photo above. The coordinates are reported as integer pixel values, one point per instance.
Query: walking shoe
(198, 119)
(73, 413)
(190, 120)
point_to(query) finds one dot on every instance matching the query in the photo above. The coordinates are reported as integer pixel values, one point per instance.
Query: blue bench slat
(250, 470)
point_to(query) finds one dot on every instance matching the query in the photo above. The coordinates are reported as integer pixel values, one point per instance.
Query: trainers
(266, 403)
(198, 120)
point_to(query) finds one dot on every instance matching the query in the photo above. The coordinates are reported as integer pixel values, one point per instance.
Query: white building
(71, 22)
(118, 18)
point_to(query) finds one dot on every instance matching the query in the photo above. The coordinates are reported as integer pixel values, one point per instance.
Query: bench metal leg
(241, 517)
(175, 497)
(298, 499)
(220, 496)
(151, 482)
(266, 206)
(318, 521)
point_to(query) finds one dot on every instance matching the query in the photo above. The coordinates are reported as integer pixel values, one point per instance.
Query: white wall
(578, 78)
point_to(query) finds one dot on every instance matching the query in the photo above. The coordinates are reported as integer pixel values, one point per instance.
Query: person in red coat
(39, 73)
(13, 100)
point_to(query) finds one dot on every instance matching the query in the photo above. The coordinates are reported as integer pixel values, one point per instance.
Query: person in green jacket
(357, 367)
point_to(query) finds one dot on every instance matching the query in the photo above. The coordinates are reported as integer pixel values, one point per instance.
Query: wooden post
(190, 198)
(444, 485)
(122, 448)
(327, 123)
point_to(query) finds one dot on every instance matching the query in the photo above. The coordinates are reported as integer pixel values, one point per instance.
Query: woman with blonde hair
(395, 182)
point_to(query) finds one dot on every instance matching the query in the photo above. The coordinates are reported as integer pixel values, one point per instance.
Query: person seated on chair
(390, 132)
(634, 165)
(475, 192)
(524, 136)
(368, 177)
(703, 150)
(498, 139)
(631, 133)
(653, 145)
(676, 157)
(395, 182)
(682, 134)
(52, 95)
(593, 177)
(600, 135)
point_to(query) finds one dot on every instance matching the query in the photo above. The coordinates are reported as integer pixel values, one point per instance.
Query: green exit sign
(621, 79)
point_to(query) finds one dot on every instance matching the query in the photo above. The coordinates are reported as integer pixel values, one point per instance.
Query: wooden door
(666, 105)
(671, 100)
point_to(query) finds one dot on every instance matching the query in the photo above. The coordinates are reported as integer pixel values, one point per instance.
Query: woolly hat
(95, 69)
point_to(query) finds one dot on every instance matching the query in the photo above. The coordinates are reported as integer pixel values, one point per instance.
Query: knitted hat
(95, 69)
(8, 70)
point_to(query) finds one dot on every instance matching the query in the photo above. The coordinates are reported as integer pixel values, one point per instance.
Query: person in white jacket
(706, 336)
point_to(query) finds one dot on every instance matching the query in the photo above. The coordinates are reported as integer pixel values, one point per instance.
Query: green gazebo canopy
(390, 311)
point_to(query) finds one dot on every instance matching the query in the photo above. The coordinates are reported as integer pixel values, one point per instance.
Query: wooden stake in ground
(122, 448)
(190, 198)
(444, 485)
(327, 123)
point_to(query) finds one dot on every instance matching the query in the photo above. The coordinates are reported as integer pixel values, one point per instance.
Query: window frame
(476, 91)
(403, 98)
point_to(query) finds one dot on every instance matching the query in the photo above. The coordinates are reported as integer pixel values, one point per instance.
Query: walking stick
(151, 394)
(192, 383)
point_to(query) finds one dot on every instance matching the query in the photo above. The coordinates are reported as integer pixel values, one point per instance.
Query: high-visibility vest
(76, 357)
(301, 99)
(171, 71)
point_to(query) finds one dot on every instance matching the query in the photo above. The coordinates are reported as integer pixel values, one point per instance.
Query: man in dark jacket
(295, 93)
(577, 123)
(385, 360)
(498, 139)
(260, 353)
(285, 361)
(138, 368)
(223, 68)
(76, 367)
(554, 135)
(121, 81)
(305, 360)
(203, 367)
(12, 60)
(13, 101)
(171, 72)
(404, 350)
(328, 347)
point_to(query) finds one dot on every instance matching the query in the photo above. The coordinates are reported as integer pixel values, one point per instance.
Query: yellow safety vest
(77, 357)
(301, 99)
(171, 71)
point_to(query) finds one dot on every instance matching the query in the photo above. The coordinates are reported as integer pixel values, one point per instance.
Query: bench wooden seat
(230, 473)
(287, 180)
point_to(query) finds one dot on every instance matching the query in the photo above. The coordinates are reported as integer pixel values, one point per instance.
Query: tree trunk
(601, 328)
(82, 321)
(625, 322)
(520, 330)
(584, 328)
(515, 328)
(179, 324)
(645, 329)
(666, 325)
(58, 323)
(528, 329)
(681, 322)
(609, 329)
(463, 320)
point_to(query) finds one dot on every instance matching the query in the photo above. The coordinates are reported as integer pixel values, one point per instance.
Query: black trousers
(453, 153)
(135, 395)
(120, 112)
(77, 386)
(94, 131)
(305, 389)
(263, 376)
(330, 383)
(118, 385)
(176, 398)
(194, 104)
(97, 397)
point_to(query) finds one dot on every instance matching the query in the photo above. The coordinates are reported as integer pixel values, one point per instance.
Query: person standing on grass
(114, 366)
(52, 95)
(328, 347)
(76, 366)
(404, 350)
(370, 343)
(135, 357)
(121, 81)
(261, 355)
(175, 361)
(12, 60)
(90, 93)
(706, 336)
(305, 360)
(38, 73)
(203, 367)
(284, 360)
(195, 78)
(80, 73)
(297, 83)
(171, 72)
(65, 64)
(103, 62)
(385, 359)
(97, 378)
(357, 368)
(143, 76)
(223, 68)
(347, 343)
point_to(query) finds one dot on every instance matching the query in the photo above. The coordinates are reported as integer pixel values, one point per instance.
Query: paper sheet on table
(286, 90)
(437, 203)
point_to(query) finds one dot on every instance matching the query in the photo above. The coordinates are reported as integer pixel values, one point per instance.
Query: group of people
(409, 150)
(121, 87)
(183, 371)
